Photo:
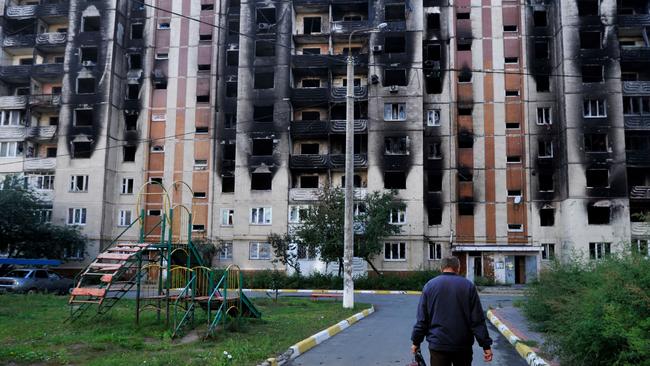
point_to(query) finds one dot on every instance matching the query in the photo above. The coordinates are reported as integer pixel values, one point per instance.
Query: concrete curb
(316, 339)
(524, 351)
(373, 292)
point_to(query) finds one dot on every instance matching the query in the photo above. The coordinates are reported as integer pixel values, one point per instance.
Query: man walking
(450, 316)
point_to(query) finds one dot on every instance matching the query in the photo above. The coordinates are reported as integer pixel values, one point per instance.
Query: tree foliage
(22, 232)
(284, 251)
(321, 229)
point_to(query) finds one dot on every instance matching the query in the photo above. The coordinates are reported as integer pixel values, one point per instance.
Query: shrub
(483, 281)
(595, 313)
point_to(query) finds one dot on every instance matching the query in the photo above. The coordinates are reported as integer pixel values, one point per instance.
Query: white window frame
(45, 214)
(601, 250)
(43, 182)
(399, 116)
(78, 252)
(261, 216)
(256, 254)
(435, 251)
(397, 216)
(388, 255)
(227, 217)
(593, 106)
(433, 117)
(539, 154)
(546, 116)
(164, 25)
(74, 184)
(157, 148)
(225, 252)
(546, 251)
(125, 218)
(11, 149)
(125, 185)
(162, 56)
(7, 117)
(77, 216)
(295, 216)
(637, 243)
(513, 229)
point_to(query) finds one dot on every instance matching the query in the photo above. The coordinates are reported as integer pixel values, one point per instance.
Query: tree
(284, 251)
(322, 228)
(23, 234)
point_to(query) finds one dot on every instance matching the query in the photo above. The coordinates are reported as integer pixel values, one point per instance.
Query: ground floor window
(435, 251)
(641, 246)
(548, 251)
(259, 250)
(599, 250)
(395, 251)
(225, 252)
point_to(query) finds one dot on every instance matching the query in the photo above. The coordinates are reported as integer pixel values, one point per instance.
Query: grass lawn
(32, 332)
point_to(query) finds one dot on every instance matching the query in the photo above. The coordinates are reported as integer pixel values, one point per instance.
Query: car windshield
(18, 273)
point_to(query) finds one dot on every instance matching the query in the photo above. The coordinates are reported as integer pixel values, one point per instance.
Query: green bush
(595, 313)
(483, 281)
(265, 280)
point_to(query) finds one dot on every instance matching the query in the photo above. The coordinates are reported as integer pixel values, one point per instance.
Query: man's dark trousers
(439, 358)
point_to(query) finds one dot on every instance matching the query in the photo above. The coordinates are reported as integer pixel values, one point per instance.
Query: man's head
(450, 264)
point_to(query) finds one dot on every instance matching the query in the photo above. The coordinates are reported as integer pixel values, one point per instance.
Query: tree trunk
(372, 265)
(340, 266)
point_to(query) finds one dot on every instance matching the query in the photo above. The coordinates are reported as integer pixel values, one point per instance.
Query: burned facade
(513, 133)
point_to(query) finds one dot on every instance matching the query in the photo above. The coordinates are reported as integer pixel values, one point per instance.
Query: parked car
(30, 280)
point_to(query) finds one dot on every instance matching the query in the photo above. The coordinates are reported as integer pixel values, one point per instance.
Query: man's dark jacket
(450, 315)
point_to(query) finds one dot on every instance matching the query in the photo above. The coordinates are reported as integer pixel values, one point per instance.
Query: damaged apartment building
(514, 133)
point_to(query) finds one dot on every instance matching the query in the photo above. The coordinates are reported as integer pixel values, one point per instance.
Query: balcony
(640, 229)
(344, 27)
(55, 10)
(304, 194)
(310, 95)
(337, 126)
(309, 129)
(13, 102)
(341, 61)
(47, 72)
(635, 54)
(42, 133)
(19, 41)
(636, 87)
(308, 162)
(40, 164)
(15, 133)
(45, 101)
(638, 157)
(21, 12)
(633, 20)
(640, 193)
(637, 122)
(338, 161)
(51, 40)
(310, 61)
(339, 93)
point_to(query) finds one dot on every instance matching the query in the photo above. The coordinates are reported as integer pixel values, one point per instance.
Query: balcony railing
(347, 26)
(638, 157)
(48, 71)
(309, 94)
(635, 54)
(21, 11)
(633, 20)
(640, 192)
(45, 100)
(19, 41)
(339, 93)
(40, 164)
(309, 128)
(308, 161)
(338, 160)
(310, 61)
(53, 10)
(14, 133)
(640, 228)
(636, 87)
(303, 194)
(42, 133)
(52, 39)
(337, 126)
(638, 122)
(13, 102)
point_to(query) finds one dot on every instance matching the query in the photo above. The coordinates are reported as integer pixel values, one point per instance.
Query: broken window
(265, 16)
(434, 216)
(539, 18)
(545, 149)
(88, 55)
(309, 149)
(203, 67)
(433, 21)
(512, 93)
(599, 250)
(205, 98)
(264, 48)
(129, 153)
(201, 130)
(230, 120)
(546, 182)
(464, 15)
(227, 184)
(434, 182)
(509, 27)
(394, 12)
(311, 51)
(398, 145)
(464, 174)
(263, 113)
(311, 25)
(132, 91)
(395, 77)
(592, 73)
(90, 24)
(207, 7)
(590, 40)
(597, 178)
(262, 147)
(597, 215)
(542, 83)
(83, 117)
(433, 117)
(546, 217)
(434, 150)
(433, 52)
(309, 181)
(310, 116)
(595, 142)
(514, 192)
(394, 112)
(229, 151)
(513, 159)
(594, 108)
(544, 116)
(587, 7)
(261, 181)
(164, 25)
(512, 125)
(232, 58)
(233, 27)
(263, 80)
(137, 31)
(465, 75)
(394, 180)
(356, 181)
(131, 122)
(395, 44)
(466, 209)
(310, 83)
(135, 61)
(464, 111)
(541, 50)
(511, 60)
(465, 140)
(85, 85)
(464, 45)
(81, 150)
(231, 89)
(516, 228)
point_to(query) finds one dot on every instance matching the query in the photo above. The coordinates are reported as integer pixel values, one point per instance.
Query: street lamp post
(348, 234)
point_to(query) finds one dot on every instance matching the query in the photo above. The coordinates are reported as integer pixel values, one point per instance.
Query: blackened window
(207, 7)
(263, 80)
(132, 91)
(129, 153)
(311, 51)
(466, 209)
(464, 15)
(395, 44)
(230, 120)
(465, 140)
(229, 151)
(50, 152)
(203, 67)
(588, 7)
(85, 85)
(233, 27)
(547, 217)
(261, 181)
(597, 178)
(433, 52)
(542, 83)
(205, 37)
(262, 147)
(464, 45)
(464, 175)
(83, 117)
(595, 142)
(227, 184)
(465, 76)
(541, 50)
(434, 215)
(597, 215)
(309, 181)
(311, 25)
(433, 21)
(131, 122)
(137, 31)
(81, 150)
(265, 16)
(395, 180)
(592, 73)
(394, 12)
(309, 149)
(203, 98)
(264, 48)
(539, 18)
(263, 113)
(310, 116)
(434, 182)
(90, 24)
(89, 55)
(231, 89)
(232, 58)
(395, 77)
(546, 182)
(590, 40)
(135, 61)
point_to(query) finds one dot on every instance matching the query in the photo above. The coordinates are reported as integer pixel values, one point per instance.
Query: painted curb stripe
(318, 338)
(523, 350)
(367, 292)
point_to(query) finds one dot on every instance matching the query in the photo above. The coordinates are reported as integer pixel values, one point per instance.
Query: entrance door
(474, 268)
(531, 268)
(510, 269)
(520, 269)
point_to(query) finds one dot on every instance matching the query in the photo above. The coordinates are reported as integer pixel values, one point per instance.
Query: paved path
(384, 337)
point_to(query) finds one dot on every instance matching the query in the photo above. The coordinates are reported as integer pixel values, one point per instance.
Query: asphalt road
(384, 337)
